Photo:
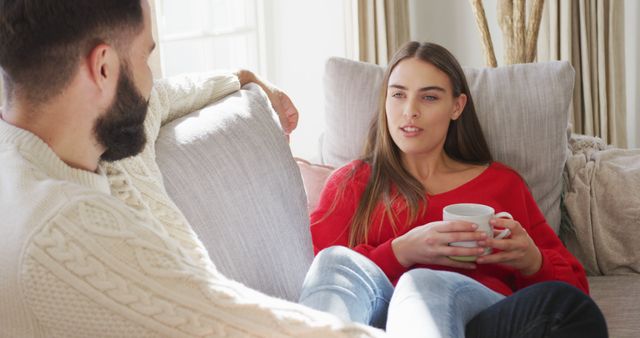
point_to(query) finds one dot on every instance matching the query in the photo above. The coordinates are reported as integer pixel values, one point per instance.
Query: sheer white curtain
(383, 26)
(590, 35)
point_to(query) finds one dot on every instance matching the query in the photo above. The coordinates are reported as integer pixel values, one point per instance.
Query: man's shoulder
(28, 189)
(34, 200)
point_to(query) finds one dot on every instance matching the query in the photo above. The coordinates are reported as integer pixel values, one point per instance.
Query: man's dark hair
(42, 41)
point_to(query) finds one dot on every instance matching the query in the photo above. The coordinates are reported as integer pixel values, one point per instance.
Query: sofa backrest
(523, 111)
(229, 169)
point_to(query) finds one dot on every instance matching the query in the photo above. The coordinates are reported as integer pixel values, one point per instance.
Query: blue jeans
(430, 303)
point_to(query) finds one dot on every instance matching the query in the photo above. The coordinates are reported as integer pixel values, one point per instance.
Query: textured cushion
(229, 169)
(617, 297)
(523, 111)
(603, 202)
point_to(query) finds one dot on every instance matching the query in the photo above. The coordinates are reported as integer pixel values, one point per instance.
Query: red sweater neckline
(466, 185)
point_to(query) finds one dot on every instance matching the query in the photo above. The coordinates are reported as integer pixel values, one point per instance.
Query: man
(92, 245)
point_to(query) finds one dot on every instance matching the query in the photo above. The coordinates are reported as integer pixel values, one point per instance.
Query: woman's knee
(339, 255)
(434, 280)
(338, 263)
(347, 284)
(339, 258)
(446, 288)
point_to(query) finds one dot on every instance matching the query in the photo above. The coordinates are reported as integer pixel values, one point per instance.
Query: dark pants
(548, 309)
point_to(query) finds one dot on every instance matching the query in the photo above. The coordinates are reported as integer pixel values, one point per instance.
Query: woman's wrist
(398, 250)
(535, 265)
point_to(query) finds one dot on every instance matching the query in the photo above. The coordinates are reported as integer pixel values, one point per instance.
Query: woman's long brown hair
(390, 182)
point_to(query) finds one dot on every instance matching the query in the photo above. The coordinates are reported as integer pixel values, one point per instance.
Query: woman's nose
(411, 110)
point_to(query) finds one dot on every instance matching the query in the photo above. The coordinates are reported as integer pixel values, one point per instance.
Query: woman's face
(420, 105)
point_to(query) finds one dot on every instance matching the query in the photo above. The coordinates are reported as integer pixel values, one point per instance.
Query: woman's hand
(429, 244)
(282, 104)
(518, 251)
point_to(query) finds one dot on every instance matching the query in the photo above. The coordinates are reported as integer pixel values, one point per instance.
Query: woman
(425, 151)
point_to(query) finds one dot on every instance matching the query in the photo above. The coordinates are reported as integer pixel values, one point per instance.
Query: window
(200, 35)
(286, 42)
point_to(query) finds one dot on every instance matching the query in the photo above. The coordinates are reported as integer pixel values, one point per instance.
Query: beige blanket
(602, 198)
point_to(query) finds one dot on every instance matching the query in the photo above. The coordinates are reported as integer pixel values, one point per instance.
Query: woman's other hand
(517, 251)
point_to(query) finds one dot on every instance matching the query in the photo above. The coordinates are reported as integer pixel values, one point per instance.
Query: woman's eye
(397, 95)
(430, 98)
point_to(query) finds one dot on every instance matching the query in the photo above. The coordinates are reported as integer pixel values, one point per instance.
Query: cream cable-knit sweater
(109, 254)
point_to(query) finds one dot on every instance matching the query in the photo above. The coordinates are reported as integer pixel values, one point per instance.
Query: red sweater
(498, 186)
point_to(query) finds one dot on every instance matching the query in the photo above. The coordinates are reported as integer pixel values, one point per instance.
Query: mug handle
(506, 232)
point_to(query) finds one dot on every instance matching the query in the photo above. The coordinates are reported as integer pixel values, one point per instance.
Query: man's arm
(174, 97)
(103, 263)
(177, 96)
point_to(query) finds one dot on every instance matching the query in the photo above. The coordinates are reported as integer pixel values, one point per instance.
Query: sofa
(230, 170)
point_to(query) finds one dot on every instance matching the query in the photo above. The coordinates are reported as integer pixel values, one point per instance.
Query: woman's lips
(410, 131)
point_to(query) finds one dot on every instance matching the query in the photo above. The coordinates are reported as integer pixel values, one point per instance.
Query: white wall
(452, 24)
(300, 35)
(632, 50)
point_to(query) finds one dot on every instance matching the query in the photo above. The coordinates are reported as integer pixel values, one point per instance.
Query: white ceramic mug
(478, 214)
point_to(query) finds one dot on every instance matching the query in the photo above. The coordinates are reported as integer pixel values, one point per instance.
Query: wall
(300, 36)
(632, 15)
(452, 24)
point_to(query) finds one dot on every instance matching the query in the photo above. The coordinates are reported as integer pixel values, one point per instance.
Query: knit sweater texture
(498, 186)
(108, 254)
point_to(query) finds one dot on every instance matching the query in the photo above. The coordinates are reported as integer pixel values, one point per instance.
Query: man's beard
(121, 128)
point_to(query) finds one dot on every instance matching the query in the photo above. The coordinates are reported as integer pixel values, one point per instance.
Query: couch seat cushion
(619, 300)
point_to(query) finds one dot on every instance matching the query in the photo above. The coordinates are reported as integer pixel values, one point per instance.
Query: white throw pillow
(229, 169)
(523, 111)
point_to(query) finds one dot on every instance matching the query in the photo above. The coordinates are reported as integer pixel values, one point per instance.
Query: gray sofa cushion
(230, 170)
(523, 110)
(617, 297)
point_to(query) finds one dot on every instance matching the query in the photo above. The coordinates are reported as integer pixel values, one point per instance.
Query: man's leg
(430, 303)
(349, 285)
(548, 309)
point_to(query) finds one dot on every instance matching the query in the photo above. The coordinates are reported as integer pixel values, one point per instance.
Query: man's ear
(458, 107)
(103, 65)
